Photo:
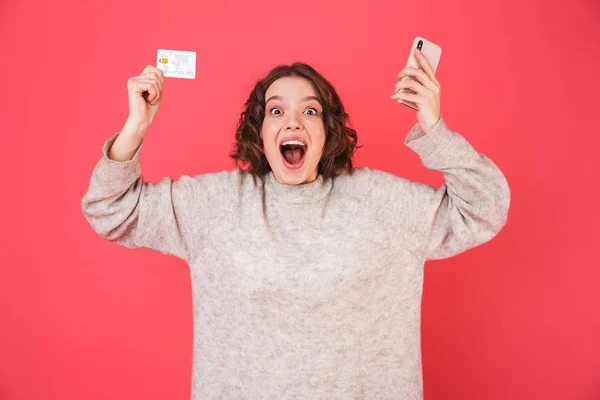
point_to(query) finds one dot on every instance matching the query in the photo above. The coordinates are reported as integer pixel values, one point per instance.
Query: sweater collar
(302, 193)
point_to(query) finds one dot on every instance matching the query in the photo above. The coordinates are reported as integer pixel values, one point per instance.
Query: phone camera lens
(420, 45)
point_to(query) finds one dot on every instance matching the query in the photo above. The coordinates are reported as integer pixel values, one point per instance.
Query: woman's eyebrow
(307, 98)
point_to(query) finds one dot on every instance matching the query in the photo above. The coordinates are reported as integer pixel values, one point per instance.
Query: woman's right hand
(145, 97)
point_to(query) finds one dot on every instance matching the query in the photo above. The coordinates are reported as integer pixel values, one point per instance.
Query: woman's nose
(293, 122)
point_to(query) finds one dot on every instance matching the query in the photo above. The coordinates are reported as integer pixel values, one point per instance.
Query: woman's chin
(294, 177)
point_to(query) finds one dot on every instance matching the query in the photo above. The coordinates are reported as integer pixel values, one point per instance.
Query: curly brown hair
(340, 141)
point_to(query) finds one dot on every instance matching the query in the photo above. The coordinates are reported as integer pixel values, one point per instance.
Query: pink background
(82, 318)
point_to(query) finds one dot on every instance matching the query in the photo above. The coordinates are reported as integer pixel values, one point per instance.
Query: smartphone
(432, 53)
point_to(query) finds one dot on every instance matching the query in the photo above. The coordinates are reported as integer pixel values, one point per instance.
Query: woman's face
(293, 132)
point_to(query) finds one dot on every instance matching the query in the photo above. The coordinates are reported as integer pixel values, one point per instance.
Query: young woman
(306, 273)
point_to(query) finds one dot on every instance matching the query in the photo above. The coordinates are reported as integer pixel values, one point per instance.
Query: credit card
(177, 64)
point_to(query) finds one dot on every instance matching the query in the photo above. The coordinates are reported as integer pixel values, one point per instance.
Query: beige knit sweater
(310, 291)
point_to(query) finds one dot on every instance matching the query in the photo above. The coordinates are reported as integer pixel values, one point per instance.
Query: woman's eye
(275, 109)
(314, 111)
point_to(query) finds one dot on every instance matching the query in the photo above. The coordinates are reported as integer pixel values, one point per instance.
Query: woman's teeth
(293, 142)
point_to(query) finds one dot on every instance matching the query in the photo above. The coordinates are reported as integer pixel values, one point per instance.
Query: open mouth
(293, 153)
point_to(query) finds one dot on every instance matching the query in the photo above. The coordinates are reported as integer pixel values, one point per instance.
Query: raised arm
(119, 205)
(472, 205)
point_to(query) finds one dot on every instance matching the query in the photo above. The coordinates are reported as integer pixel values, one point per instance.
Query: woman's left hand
(427, 92)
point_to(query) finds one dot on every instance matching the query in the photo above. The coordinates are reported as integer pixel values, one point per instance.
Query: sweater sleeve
(470, 208)
(123, 208)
